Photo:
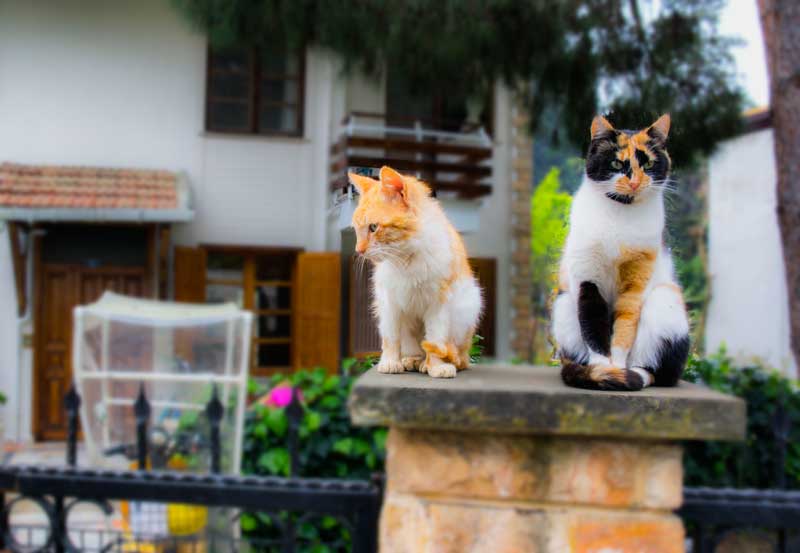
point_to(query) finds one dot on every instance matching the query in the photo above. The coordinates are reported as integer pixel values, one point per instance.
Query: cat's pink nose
(634, 184)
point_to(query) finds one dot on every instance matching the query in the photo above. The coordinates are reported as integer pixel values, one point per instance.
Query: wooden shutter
(485, 269)
(190, 274)
(317, 303)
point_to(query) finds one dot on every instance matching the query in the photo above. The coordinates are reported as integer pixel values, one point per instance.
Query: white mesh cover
(179, 353)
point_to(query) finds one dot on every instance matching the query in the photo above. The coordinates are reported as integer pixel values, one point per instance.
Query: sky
(740, 19)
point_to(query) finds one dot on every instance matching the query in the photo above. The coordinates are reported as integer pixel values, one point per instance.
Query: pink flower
(279, 396)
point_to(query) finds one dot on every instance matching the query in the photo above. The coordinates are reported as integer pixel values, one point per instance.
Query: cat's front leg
(389, 327)
(411, 354)
(438, 361)
(634, 270)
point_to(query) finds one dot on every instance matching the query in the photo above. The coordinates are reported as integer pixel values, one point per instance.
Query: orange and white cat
(426, 297)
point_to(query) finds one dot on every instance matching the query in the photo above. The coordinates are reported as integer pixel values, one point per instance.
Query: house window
(255, 91)
(261, 281)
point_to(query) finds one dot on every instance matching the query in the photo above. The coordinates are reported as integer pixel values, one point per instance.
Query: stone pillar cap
(524, 399)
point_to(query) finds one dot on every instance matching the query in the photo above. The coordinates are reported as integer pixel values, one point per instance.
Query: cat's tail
(597, 377)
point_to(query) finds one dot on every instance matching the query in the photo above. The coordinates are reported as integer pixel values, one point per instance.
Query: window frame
(248, 285)
(254, 101)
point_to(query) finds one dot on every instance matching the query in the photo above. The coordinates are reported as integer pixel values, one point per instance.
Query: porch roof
(64, 193)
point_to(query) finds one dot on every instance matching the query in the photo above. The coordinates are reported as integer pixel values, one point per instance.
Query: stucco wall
(122, 84)
(749, 307)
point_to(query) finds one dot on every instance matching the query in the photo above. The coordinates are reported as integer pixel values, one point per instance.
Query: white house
(222, 179)
(748, 312)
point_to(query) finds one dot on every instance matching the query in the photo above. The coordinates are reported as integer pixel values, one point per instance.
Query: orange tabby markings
(634, 269)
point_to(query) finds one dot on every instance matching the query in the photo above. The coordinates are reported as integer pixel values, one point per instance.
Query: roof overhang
(35, 194)
(95, 215)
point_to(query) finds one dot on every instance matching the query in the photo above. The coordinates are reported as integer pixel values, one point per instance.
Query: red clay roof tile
(86, 187)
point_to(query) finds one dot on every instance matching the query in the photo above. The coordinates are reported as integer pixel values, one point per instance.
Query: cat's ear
(660, 129)
(362, 183)
(393, 183)
(600, 125)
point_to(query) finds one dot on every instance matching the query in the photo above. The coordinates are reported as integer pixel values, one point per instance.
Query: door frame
(150, 279)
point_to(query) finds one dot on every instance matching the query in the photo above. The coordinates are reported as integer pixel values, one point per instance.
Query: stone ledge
(523, 399)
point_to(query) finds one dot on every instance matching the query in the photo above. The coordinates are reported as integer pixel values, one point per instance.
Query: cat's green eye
(649, 164)
(616, 164)
(373, 227)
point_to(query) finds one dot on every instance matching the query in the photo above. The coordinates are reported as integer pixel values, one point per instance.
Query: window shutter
(317, 304)
(190, 275)
(485, 269)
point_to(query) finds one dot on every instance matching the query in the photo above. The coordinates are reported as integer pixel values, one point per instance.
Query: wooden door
(317, 311)
(59, 289)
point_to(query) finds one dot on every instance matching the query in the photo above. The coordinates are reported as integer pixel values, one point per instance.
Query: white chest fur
(600, 229)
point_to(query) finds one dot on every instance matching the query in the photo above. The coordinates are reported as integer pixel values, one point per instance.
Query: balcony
(456, 164)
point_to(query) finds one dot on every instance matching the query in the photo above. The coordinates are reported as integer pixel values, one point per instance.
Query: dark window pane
(277, 63)
(85, 245)
(225, 266)
(274, 267)
(231, 61)
(278, 119)
(273, 326)
(279, 90)
(273, 355)
(229, 116)
(229, 85)
(272, 297)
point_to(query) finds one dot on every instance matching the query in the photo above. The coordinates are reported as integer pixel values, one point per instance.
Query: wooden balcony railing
(452, 163)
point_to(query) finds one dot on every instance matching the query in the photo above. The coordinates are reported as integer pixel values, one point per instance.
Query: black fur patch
(576, 374)
(595, 318)
(641, 157)
(671, 361)
(579, 375)
(621, 198)
(602, 152)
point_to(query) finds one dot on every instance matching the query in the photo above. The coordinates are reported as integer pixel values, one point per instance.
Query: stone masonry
(521, 189)
(505, 459)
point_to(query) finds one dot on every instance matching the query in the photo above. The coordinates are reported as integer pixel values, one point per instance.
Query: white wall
(92, 82)
(122, 84)
(749, 306)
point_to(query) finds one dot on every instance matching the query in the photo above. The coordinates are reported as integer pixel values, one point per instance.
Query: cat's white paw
(442, 370)
(412, 363)
(390, 366)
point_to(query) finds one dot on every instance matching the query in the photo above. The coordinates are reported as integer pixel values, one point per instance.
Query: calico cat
(619, 318)
(426, 297)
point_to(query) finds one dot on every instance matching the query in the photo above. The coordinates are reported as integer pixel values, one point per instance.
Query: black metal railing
(44, 508)
(712, 514)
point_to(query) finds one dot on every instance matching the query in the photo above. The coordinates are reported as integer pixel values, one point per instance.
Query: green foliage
(751, 464)
(687, 226)
(328, 445)
(549, 214)
(559, 55)
(3, 398)
(476, 349)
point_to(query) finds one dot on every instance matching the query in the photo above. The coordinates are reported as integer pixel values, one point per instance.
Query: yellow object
(185, 520)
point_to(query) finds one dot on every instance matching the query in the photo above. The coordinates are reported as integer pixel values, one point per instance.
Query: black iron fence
(770, 517)
(69, 509)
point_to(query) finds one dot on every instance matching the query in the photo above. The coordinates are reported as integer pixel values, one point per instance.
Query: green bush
(328, 447)
(751, 464)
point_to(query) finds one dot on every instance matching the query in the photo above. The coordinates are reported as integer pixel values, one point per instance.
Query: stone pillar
(521, 190)
(506, 459)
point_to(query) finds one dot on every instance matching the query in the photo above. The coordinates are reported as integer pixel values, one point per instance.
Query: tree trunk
(780, 21)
